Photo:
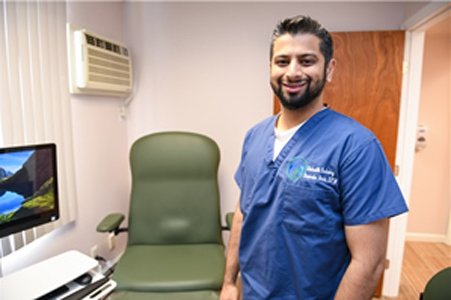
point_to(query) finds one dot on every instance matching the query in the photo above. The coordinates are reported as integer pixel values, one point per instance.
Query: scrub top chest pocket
(309, 209)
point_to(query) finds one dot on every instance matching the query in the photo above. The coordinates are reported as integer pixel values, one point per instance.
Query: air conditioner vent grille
(108, 72)
(104, 79)
(108, 64)
(99, 54)
(104, 44)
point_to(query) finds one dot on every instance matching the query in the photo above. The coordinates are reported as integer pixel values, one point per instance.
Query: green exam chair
(174, 248)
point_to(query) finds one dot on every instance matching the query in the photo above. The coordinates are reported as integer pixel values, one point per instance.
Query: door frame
(415, 28)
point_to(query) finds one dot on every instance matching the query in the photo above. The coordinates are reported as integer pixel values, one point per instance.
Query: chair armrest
(229, 219)
(111, 223)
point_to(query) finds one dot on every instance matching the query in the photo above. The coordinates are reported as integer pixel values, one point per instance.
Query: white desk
(41, 278)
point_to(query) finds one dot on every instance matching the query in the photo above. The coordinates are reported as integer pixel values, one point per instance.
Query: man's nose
(294, 70)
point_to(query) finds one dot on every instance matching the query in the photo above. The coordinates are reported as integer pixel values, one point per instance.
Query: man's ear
(330, 69)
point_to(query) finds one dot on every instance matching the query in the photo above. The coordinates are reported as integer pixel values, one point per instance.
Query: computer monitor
(28, 187)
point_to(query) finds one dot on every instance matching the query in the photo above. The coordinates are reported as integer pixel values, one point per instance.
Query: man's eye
(308, 61)
(282, 62)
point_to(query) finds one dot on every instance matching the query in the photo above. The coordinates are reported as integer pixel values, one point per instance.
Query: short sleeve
(239, 176)
(368, 187)
(240, 170)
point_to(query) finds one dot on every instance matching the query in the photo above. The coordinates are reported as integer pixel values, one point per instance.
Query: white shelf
(42, 278)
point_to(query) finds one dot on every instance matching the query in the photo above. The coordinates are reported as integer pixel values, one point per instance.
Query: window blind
(34, 99)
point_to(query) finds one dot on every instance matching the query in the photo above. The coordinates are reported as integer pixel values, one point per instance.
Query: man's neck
(291, 118)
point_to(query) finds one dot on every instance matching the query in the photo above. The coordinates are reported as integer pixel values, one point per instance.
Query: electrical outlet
(93, 251)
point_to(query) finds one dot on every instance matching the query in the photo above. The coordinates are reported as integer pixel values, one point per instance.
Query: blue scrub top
(332, 173)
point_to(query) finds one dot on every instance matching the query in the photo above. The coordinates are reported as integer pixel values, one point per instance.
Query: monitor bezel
(42, 218)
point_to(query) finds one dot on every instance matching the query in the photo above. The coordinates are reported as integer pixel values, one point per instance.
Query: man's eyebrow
(309, 55)
(300, 55)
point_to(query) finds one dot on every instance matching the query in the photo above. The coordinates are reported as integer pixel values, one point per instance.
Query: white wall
(101, 156)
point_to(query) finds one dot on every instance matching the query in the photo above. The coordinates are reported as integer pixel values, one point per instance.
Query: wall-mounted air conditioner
(97, 65)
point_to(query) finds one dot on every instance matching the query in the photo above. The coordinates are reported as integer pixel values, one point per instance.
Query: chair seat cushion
(204, 295)
(170, 268)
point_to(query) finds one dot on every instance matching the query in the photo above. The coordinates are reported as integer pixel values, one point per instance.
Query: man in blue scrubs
(316, 188)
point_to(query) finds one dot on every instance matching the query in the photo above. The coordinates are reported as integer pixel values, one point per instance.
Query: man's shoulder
(265, 126)
(348, 126)
(265, 123)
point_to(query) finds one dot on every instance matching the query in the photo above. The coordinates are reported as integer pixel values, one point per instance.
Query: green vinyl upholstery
(172, 268)
(439, 286)
(204, 295)
(174, 231)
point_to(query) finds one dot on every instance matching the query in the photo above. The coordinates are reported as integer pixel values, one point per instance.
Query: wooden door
(367, 84)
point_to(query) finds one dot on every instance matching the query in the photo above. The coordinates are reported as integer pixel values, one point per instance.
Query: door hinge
(396, 170)
(387, 264)
(405, 67)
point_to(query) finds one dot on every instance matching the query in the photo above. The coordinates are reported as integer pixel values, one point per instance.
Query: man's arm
(367, 244)
(229, 287)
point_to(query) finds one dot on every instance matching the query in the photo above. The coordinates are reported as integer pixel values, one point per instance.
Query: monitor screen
(28, 187)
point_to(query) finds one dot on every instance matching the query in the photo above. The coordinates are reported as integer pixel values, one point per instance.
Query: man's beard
(302, 100)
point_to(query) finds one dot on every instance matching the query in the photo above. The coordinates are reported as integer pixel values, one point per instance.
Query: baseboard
(425, 237)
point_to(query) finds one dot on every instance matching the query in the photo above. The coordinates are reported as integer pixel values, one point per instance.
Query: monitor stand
(41, 278)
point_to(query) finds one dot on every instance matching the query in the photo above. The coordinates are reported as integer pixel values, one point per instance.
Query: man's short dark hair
(303, 24)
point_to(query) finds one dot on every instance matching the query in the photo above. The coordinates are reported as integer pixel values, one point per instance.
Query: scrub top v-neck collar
(276, 163)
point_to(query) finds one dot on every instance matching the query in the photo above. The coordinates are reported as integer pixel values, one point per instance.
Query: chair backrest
(175, 194)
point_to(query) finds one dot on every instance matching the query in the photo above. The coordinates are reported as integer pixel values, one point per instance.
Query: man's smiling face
(298, 71)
